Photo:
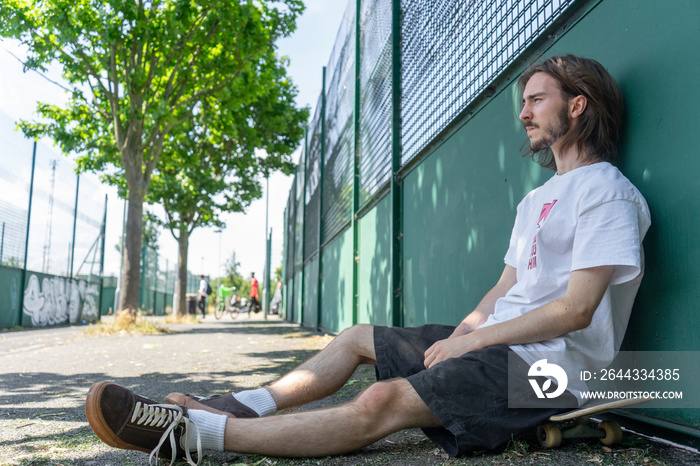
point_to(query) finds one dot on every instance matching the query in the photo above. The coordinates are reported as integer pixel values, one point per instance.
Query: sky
(308, 49)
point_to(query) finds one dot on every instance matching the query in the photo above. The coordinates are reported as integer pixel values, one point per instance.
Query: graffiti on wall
(60, 300)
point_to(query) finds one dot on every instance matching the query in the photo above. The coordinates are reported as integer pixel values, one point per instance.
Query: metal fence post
(26, 241)
(266, 279)
(356, 170)
(102, 259)
(75, 221)
(268, 265)
(118, 291)
(319, 295)
(303, 229)
(165, 286)
(155, 284)
(290, 307)
(396, 272)
(2, 241)
(142, 283)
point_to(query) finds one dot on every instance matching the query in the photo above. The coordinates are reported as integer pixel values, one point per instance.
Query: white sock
(211, 429)
(258, 400)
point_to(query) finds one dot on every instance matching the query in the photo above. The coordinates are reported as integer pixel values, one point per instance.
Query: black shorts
(468, 394)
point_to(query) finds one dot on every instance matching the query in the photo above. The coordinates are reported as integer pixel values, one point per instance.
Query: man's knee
(392, 405)
(379, 398)
(360, 340)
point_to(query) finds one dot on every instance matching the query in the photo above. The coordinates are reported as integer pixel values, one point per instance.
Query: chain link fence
(52, 242)
(447, 52)
(52, 229)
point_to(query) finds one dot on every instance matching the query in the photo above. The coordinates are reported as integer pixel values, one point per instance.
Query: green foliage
(12, 262)
(147, 75)
(233, 139)
(139, 69)
(278, 273)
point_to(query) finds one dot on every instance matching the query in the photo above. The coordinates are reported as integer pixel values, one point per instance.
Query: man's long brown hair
(597, 130)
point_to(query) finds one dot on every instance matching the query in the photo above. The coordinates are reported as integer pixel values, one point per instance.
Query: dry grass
(126, 322)
(181, 319)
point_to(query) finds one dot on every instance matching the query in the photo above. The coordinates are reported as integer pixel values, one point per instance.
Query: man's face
(544, 114)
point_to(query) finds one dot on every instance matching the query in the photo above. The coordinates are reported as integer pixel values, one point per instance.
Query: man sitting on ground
(572, 270)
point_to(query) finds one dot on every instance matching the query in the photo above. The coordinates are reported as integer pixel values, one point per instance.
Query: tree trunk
(182, 245)
(131, 275)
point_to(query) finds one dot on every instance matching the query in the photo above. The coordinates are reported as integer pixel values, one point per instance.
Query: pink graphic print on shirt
(546, 209)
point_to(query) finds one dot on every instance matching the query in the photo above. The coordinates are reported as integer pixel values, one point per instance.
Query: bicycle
(225, 304)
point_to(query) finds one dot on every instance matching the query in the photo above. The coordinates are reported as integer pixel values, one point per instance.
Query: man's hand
(573, 311)
(452, 347)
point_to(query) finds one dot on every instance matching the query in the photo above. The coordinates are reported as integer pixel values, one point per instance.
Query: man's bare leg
(318, 377)
(382, 409)
(326, 372)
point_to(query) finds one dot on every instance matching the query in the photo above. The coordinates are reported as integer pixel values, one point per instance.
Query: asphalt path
(45, 375)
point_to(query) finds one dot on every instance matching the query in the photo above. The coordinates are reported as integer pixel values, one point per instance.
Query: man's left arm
(573, 311)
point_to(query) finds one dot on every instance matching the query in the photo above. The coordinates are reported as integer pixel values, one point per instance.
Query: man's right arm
(487, 305)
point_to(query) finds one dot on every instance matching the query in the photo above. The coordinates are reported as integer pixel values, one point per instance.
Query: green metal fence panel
(374, 277)
(452, 51)
(309, 315)
(375, 97)
(10, 291)
(15, 172)
(54, 221)
(336, 287)
(298, 240)
(658, 153)
(646, 50)
(463, 175)
(458, 211)
(288, 241)
(298, 296)
(288, 300)
(62, 239)
(339, 130)
(107, 301)
(159, 303)
(312, 195)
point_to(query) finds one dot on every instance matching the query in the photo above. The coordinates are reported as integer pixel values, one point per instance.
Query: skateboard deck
(574, 423)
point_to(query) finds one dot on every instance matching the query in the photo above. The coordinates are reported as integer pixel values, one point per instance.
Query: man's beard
(552, 132)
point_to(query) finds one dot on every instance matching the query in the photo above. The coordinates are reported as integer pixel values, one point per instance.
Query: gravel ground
(45, 375)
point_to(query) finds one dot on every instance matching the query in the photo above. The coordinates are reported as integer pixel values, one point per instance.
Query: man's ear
(577, 105)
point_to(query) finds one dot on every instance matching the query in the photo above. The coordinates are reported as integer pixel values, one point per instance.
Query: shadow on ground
(42, 420)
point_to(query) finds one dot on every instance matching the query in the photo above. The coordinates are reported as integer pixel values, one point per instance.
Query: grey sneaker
(221, 404)
(123, 419)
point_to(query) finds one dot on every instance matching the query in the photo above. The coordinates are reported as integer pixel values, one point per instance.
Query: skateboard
(574, 424)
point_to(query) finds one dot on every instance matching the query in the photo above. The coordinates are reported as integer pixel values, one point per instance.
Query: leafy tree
(139, 70)
(149, 234)
(215, 165)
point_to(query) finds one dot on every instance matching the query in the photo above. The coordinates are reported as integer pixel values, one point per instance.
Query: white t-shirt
(588, 217)
(203, 288)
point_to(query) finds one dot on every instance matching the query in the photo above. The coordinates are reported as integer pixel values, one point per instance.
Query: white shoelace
(161, 415)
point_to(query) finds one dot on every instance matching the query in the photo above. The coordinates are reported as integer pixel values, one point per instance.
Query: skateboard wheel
(613, 432)
(549, 435)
